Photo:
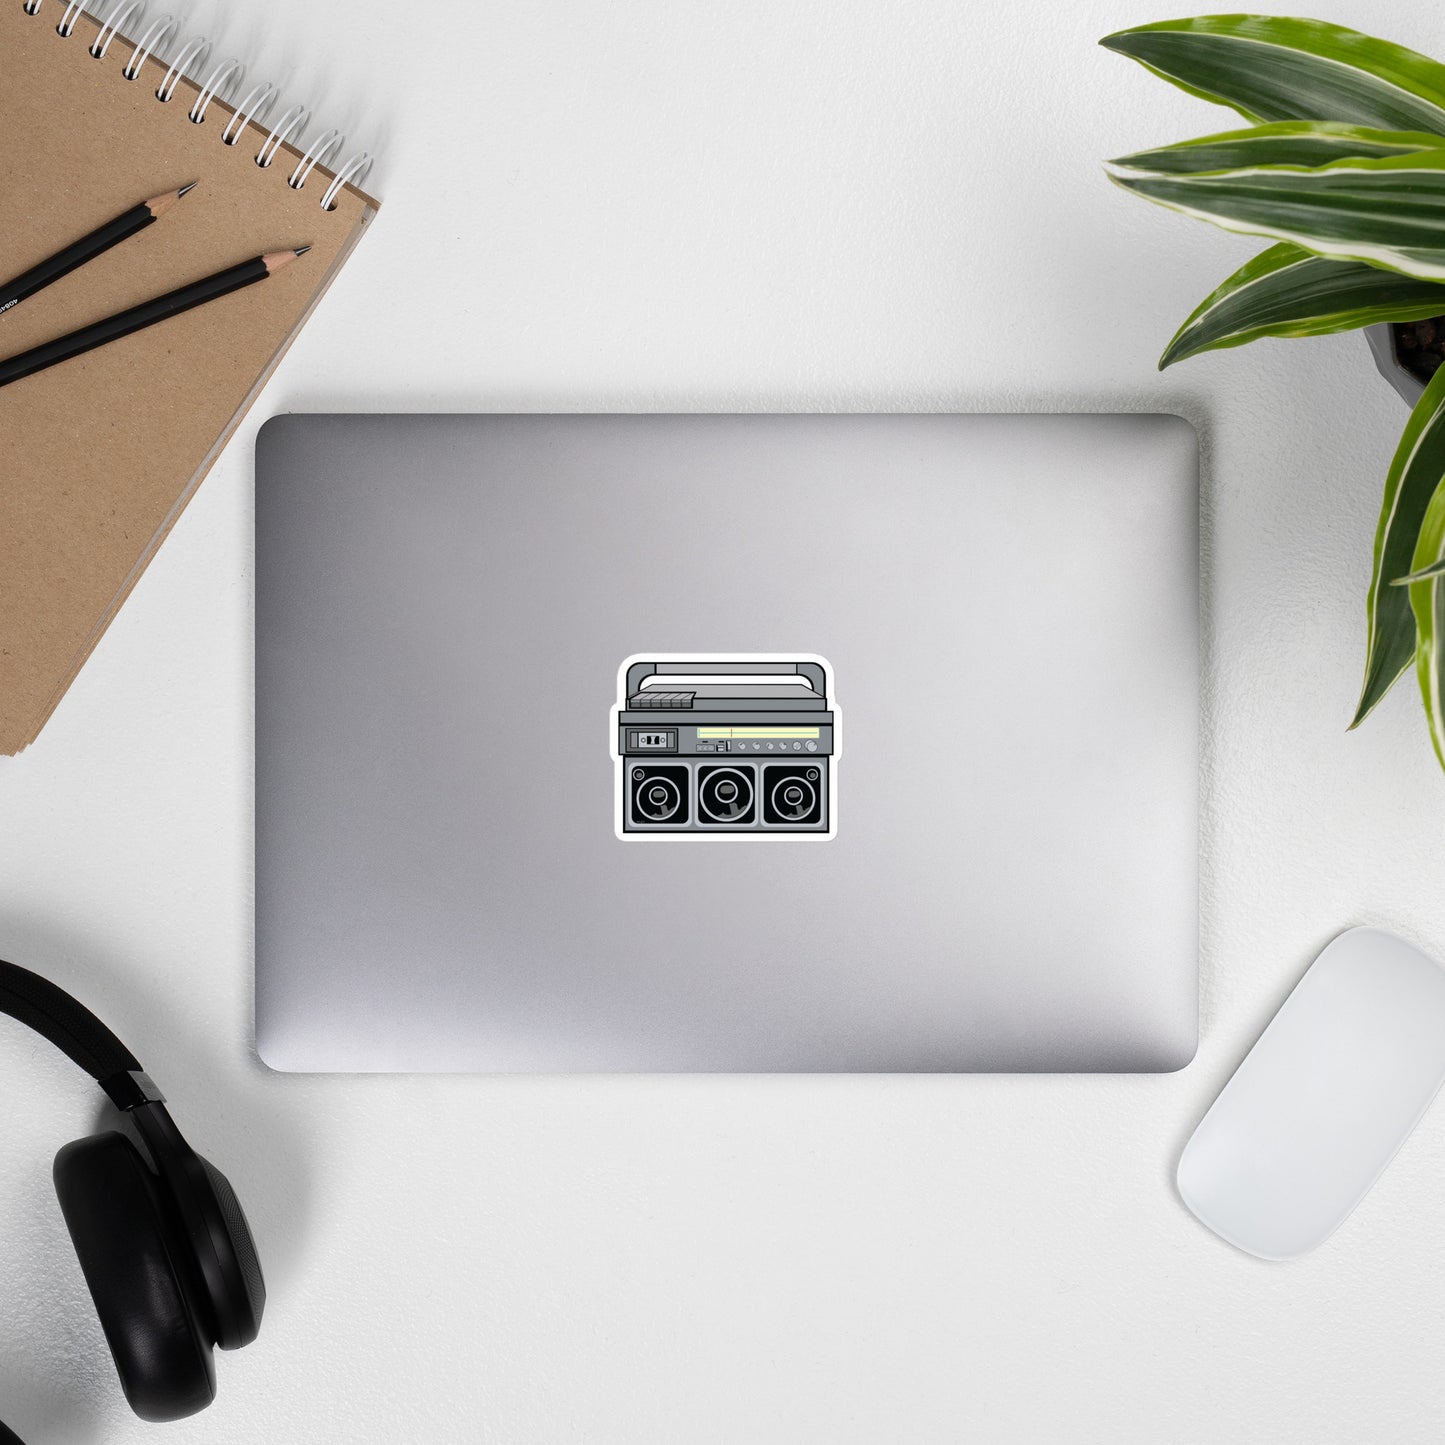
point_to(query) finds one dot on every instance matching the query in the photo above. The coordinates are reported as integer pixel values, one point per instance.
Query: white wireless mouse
(1321, 1103)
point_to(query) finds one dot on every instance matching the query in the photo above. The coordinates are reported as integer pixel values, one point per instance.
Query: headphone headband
(76, 1032)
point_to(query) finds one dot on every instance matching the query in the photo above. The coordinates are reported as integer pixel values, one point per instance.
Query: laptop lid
(736, 743)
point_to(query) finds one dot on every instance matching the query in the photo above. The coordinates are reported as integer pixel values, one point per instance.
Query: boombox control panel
(725, 747)
(738, 740)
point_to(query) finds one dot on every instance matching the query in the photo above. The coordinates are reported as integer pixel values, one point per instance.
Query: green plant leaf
(1271, 67)
(1436, 569)
(1413, 479)
(1427, 599)
(1285, 143)
(1386, 211)
(1285, 291)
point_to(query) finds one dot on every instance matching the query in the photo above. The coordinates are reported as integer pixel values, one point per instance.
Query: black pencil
(87, 248)
(159, 308)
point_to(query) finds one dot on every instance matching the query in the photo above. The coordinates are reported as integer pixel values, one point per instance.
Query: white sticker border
(752, 835)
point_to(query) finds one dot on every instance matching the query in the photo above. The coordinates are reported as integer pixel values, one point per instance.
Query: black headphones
(162, 1240)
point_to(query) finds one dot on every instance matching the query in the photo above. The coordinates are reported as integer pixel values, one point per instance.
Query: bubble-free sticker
(711, 746)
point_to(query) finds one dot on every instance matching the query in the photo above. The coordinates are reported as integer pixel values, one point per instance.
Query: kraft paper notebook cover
(99, 454)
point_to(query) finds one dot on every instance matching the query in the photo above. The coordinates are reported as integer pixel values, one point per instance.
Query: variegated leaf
(1435, 570)
(1427, 598)
(1285, 291)
(1384, 211)
(1413, 480)
(1285, 143)
(1270, 67)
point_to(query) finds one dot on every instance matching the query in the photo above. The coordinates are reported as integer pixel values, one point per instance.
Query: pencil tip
(159, 205)
(276, 259)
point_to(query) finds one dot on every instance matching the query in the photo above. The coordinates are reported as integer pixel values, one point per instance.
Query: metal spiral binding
(320, 150)
(193, 52)
(160, 30)
(294, 120)
(227, 74)
(255, 105)
(351, 171)
(118, 16)
(221, 80)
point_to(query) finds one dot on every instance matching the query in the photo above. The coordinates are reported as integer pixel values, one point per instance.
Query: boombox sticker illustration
(710, 747)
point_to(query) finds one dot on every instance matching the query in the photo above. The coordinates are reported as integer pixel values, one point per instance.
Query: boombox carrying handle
(812, 671)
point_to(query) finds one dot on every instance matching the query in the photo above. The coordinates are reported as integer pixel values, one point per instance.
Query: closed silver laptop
(746, 743)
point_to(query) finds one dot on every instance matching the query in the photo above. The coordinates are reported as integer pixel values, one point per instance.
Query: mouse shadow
(233, 1117)
(1212, 1083)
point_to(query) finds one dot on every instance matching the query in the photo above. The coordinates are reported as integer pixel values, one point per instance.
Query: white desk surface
(639, 205)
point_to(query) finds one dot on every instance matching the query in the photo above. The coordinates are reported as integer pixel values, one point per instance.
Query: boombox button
(812, 747)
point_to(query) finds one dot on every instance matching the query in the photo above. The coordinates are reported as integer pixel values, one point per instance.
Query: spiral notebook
(99, 455)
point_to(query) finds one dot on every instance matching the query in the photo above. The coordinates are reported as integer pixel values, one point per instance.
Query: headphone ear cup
(242, 1316)
(133, 1260)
